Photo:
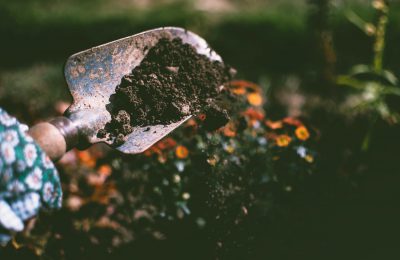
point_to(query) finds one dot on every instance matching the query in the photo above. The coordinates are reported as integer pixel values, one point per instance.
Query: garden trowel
(92, 77)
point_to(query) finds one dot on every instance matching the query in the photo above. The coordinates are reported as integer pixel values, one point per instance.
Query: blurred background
(265, 40)
(333, 64)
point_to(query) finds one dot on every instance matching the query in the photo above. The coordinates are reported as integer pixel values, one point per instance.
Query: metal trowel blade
(93, 75)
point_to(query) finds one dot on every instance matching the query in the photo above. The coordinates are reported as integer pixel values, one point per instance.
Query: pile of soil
(171, 82)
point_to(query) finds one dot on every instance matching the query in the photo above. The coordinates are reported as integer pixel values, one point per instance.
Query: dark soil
(171, 82)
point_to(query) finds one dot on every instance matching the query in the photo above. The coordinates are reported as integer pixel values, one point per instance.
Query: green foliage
(373, 86)
(31, 92)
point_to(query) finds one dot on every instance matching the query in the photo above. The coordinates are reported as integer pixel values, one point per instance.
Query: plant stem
(379, 44)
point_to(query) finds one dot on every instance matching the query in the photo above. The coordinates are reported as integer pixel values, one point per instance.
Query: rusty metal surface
(93, 75)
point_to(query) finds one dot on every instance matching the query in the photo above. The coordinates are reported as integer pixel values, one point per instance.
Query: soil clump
(171, 82)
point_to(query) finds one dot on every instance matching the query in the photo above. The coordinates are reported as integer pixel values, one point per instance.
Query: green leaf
(390, 77)
(349, 81)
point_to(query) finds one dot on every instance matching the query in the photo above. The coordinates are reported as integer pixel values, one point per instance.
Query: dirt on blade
(171, 82)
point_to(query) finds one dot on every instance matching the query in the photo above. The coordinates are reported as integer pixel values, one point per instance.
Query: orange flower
(148, 152)
(181, 152)
(283, 140)
(166, 143)
(302, 133)
(239, 91)
(104, 170)
(243, 84)
(292, 121)
(191, 123)
(86, 158)
(254, 99)
(274, 124)
(229, 130)
(103, 193)
(254, 114)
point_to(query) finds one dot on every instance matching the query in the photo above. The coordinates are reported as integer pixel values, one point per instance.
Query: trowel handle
(55, 137)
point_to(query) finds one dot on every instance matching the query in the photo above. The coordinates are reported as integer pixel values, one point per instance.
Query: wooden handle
(50, 139)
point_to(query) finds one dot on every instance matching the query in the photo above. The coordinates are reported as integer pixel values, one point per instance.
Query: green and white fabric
(28, 179)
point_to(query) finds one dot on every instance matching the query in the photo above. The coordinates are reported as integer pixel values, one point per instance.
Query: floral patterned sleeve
(28, 179)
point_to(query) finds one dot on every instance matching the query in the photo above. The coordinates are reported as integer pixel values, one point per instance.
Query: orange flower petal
(181, 152)
(274, 124)
(283, 140)
(191, 123)
(239, 91)
(254, 114)
(148, 152)
(255, 99)
(104, 170)
(229, 130)
(302, 133)
(244, 84)
(86, 158)
(292, 121)
(164, 144)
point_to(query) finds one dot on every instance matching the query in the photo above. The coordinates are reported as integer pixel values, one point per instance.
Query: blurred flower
(176, 178)
(86, 158)
(244, 85)
(95, 179)
(180, 166)
(191, 123)
(148, 152)
(105, 222)
(162, 158)
(229, 130)
(254, 114)
(229, 148)
(301, 151)
(181, 152)
(74, 203)
(166, 143)
(254, 99)
(309, 158)
(273, 124)
(255, 124)
(162, 145)
(262, 140)
(104, 170)
(186, 196)
(302, 133)
(213, 160)
(283, 140)
(292, 121)
(239, 91)
(103, 193)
